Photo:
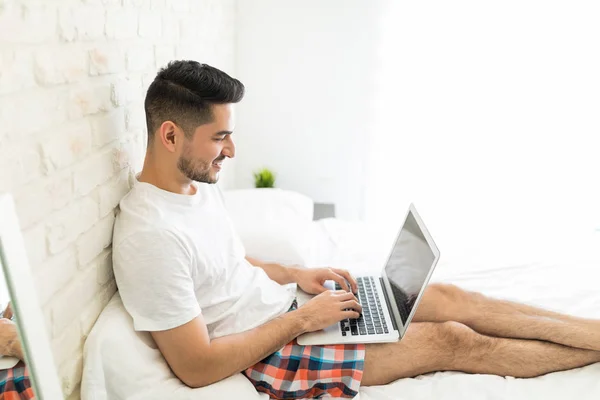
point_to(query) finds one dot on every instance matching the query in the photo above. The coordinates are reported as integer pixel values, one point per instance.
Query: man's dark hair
(184, 91)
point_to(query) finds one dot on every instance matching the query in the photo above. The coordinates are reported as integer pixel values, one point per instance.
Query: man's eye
(219, 139)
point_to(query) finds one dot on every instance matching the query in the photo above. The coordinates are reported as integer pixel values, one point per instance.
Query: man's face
(202, 156)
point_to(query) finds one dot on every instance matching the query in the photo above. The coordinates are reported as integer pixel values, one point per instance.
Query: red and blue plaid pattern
(15, 384)
(301, 372)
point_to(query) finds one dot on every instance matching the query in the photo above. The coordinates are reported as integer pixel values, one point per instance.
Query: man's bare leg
(451, 346)
(506, 319)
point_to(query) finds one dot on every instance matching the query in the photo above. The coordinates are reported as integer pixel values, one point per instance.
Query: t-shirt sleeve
(153, 274)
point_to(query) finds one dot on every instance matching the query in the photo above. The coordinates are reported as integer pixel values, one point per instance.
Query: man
(183, 276)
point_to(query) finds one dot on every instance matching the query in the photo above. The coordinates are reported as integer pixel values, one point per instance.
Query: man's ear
(168, 135)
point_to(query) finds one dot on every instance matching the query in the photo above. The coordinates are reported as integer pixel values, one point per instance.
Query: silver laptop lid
(409, 267)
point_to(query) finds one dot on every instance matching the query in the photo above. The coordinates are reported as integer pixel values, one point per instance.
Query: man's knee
(458, 342)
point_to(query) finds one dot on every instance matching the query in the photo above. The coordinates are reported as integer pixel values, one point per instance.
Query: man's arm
(308, 279)
(277, 272)
(198, 361)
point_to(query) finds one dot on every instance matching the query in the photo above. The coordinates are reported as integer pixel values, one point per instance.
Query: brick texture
(73, 76)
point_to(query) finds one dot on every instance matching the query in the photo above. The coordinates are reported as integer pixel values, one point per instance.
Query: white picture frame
(28, 314)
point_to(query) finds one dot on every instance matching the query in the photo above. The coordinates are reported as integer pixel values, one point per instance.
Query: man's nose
(229, 148)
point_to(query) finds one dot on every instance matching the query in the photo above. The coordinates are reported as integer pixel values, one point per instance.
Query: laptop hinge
(387, 303)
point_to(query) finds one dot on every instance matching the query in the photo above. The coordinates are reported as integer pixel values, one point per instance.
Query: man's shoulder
(148, 233)
(143, 216)
(149, 243)
(145, 226)
(138, 213)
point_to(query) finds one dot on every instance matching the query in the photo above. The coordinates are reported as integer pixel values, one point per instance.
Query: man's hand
(328, 308)
(9, 339)
(8, 312)
(311, 280)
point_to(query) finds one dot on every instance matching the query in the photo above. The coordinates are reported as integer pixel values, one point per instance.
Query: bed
(122, 364)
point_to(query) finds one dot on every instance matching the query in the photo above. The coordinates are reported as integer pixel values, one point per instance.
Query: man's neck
(165, 179)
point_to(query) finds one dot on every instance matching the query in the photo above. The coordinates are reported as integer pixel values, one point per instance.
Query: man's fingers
(339, 280)
(348, 277)
(351, 304)
(345, 295)
(8, 313)
(350, 314)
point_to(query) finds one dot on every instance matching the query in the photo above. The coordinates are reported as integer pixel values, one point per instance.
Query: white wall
(73, 75)
(484, 115)
(306, 66)
(490, 120)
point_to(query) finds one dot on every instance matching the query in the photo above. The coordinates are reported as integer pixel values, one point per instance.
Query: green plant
(264, 178)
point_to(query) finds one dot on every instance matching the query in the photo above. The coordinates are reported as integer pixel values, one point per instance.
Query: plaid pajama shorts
(301, 372)
(14, 383)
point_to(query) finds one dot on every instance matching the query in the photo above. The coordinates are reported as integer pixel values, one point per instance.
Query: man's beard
(196, 170)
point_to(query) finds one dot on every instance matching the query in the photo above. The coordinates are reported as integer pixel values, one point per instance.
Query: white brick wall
(73, 75)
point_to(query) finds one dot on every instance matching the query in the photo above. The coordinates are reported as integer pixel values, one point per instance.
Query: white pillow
(122, 364)
(274, 225)
(266, 205)
(291, 243)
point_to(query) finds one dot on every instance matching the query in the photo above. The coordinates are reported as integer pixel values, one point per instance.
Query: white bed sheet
(565, 281)
(564, 277)
(571, 288)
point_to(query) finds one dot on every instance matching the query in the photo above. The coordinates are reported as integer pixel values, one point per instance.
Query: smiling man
(179, 265)
(184, 277)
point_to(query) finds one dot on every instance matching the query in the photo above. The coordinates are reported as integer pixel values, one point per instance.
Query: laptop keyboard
(371, 321)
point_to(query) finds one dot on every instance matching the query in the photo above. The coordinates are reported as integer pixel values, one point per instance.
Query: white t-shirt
(176, 256)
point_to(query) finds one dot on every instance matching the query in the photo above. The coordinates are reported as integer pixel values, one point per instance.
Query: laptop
(20, 290)
(390, 299)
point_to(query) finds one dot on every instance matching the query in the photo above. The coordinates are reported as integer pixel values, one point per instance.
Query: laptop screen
(409, 264)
